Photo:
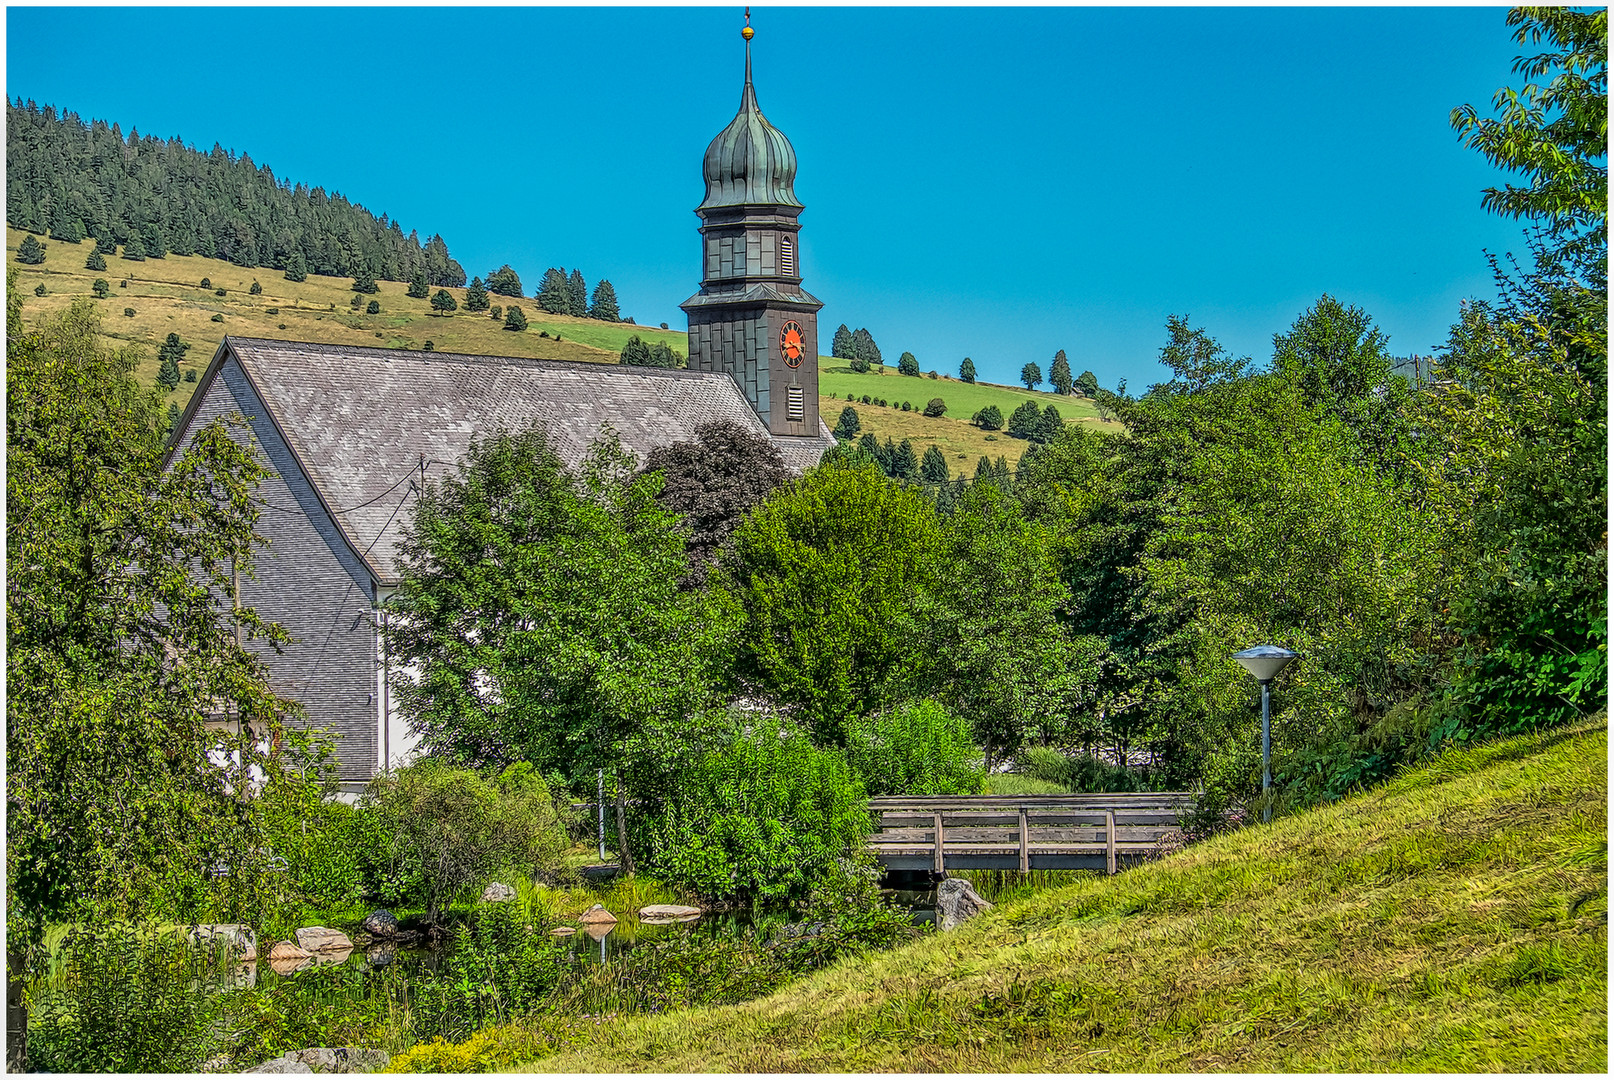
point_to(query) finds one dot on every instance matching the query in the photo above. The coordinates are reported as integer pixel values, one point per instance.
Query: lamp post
(1264, 662)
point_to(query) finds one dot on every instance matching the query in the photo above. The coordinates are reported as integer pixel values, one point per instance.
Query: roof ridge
(481, 359)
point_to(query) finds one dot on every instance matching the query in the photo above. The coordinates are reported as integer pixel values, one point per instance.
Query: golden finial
(748, 33)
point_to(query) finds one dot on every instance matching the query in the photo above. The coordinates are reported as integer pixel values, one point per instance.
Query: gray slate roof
(361, 419)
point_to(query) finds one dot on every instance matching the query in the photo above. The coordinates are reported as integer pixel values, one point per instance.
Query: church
(351, 434)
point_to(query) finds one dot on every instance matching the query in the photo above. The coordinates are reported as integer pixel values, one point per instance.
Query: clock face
(792, 342)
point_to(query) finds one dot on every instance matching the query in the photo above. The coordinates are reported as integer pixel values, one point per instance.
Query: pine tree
(905, 463)
(847, 427)
(476, 296)
(364, 282)
(604, 305)
(1049, 426)
(554, 295)
(869, 445)
(30, 252)
(864, 348)
(841, 346)
(577, 295)
(907, 364)
(173, 349)
(1031, 375)
(933, 469)
(1023, 422)
(1087, 384)
(419, 289)
(504, 282)
(515, 318)
(297, 267)
(1059, 373)
(888, 456)
(983, 468)
(96, 261)
(966, 371)
(169, 355)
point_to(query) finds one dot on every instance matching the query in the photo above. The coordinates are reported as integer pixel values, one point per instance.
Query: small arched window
(787, 256)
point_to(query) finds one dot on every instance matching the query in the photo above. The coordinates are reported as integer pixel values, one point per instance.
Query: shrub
(860, 366)
(30, 252)
(128, 1000)
(759, 819)
(428, 347)
(124, 284)
(357, 303)
(207, 283)
(373, 307)
(129, 311)
(935, 406)
(255, 289)
(664, 326)
(190, 375)
(503, 969)
(907, 406)
(450, 829)
(281, 326)
(1078, 772)
(221, 292)
(101, 288)
(271, 311)
(867, 400)
(988, 419)
(40, 290)
(918, 748)
(218, 318)
(96, 261)
(496, 313)
(329, 847)
(496, 1050)
(516, 319)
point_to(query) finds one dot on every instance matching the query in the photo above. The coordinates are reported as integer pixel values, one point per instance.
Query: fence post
(1025, 843)
(938, 821)
(1109, 840)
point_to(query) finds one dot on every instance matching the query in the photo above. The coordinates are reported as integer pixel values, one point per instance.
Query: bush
(281, 326)
(271, 311)
(935, 407)
(357, 302)
(207, 283)
(503, 969)
(497, 1050)
(448, 830)
(516, 319)
(128, 1000)
(758, 820)
(988, 419)
(496, 313)
(221, 292)
(428, 347)
(373, 307)
(190, 375)
(101, 288)
(918, 748)
(1078, 772)
(860, 366)
(329, 847)
(40, 290)
(256, 289)
(218, 318)
(129, 311)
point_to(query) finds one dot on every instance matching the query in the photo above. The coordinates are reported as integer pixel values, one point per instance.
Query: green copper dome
(750, 162)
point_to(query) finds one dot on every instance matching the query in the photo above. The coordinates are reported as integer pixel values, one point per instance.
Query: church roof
(360, 420)
(750, 162)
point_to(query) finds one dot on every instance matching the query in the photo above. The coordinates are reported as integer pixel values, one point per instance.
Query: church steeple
(751, 318)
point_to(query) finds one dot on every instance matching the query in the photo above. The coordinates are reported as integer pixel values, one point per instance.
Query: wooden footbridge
(1024, 832)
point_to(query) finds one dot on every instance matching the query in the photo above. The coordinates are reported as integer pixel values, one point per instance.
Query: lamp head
(1265, 661)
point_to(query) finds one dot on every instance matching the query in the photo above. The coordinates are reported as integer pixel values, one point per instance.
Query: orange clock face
(793, 343)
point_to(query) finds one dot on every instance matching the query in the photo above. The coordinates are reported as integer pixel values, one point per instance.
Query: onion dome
(750, 162)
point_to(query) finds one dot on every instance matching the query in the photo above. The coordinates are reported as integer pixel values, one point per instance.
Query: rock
(287, 1063)
(669, 912)
(381, 924)
(323, 939)
(956, 901)
(597, 916)
(497, 892)
(285, 950)
(343, 1059)
(238, 938)
(333, 956)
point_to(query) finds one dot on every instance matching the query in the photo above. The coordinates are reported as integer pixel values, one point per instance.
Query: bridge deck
(1024, 832)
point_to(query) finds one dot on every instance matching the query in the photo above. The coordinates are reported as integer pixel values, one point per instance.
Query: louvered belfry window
(787, 256)
(795, 404)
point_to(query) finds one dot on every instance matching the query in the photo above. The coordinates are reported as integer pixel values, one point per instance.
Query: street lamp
(1264, 662)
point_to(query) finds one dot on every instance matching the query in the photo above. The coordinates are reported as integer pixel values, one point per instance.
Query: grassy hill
(166, 297)
(1454, 919)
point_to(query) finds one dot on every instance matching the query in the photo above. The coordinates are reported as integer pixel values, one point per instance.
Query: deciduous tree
(1031, 375)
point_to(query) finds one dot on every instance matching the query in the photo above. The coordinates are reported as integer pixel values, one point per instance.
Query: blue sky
(994, 183)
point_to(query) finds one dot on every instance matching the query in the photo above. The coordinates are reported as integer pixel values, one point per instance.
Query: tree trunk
(622, 828)
(16, 1015)
(988, 749)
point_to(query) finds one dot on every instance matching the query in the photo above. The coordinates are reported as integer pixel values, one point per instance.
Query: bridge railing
(1024, 832)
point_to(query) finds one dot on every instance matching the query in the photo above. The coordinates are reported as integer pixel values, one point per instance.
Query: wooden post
(1109, 840)
(939, 865)
(622, 830)
(1025, 843)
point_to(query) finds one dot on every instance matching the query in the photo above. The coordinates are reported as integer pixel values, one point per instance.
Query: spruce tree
(933, 469)
(168, 369)
(504, 282)
(1031, 375)
(847, 427)
(96, 261)
(841, 346)
(30, 252)
(989, 418)
(1049, 426)
(515, 318)
(905, 463)
(297, 267)
(476, 296)
(635, 353)
(104, 244)
(864, 348)
(966, 371)
(577, 295)
(662, 356)
(1087, 384)
(1059, 373)
(364, 282)
(1024, 421)
(983, 468)
(554, 295)
(907, 364)
(604, 305)
(173, 415)
(419, 289)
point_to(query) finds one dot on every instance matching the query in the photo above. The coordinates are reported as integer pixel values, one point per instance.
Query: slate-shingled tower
(751, 318)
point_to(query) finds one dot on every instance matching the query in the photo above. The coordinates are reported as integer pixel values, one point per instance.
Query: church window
(787, 256)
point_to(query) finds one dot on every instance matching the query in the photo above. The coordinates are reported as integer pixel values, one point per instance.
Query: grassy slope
(1422, 926)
